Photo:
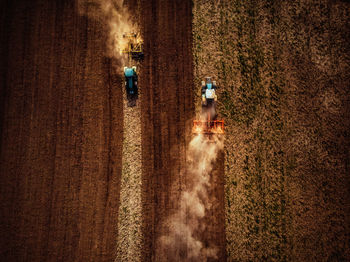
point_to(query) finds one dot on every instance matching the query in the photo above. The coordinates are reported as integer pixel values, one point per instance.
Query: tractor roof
(129, 71)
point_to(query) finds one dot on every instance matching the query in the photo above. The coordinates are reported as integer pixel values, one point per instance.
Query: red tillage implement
(208, 126)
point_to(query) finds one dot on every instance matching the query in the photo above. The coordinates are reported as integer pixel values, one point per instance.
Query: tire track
(129, 221)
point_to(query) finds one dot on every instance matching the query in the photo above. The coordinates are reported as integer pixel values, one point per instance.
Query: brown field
(280, 188)
(284, 72)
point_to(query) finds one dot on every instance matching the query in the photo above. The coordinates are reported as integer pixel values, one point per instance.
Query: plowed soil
(62, 129)
(283, 69)
(167, 110)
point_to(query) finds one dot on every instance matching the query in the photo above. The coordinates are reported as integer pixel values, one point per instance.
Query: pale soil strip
(129, 222)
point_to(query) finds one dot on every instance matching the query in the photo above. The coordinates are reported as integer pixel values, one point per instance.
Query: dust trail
(115, 15)
(182, 242)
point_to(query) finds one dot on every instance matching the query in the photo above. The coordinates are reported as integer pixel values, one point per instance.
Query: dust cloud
(115, 15)
(182, 240)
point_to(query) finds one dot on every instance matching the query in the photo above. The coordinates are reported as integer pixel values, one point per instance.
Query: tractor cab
(208, 91)
(130, 81)
(208, 82)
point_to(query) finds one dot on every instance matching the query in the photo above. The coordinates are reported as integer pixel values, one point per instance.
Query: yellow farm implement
(134, 47)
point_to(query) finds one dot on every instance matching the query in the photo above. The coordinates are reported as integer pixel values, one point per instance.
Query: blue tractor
(209, 97)
(131, 82)
(208, 123)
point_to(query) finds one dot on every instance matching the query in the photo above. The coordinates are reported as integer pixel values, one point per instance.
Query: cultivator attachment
(208, 127)
(134, 47)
